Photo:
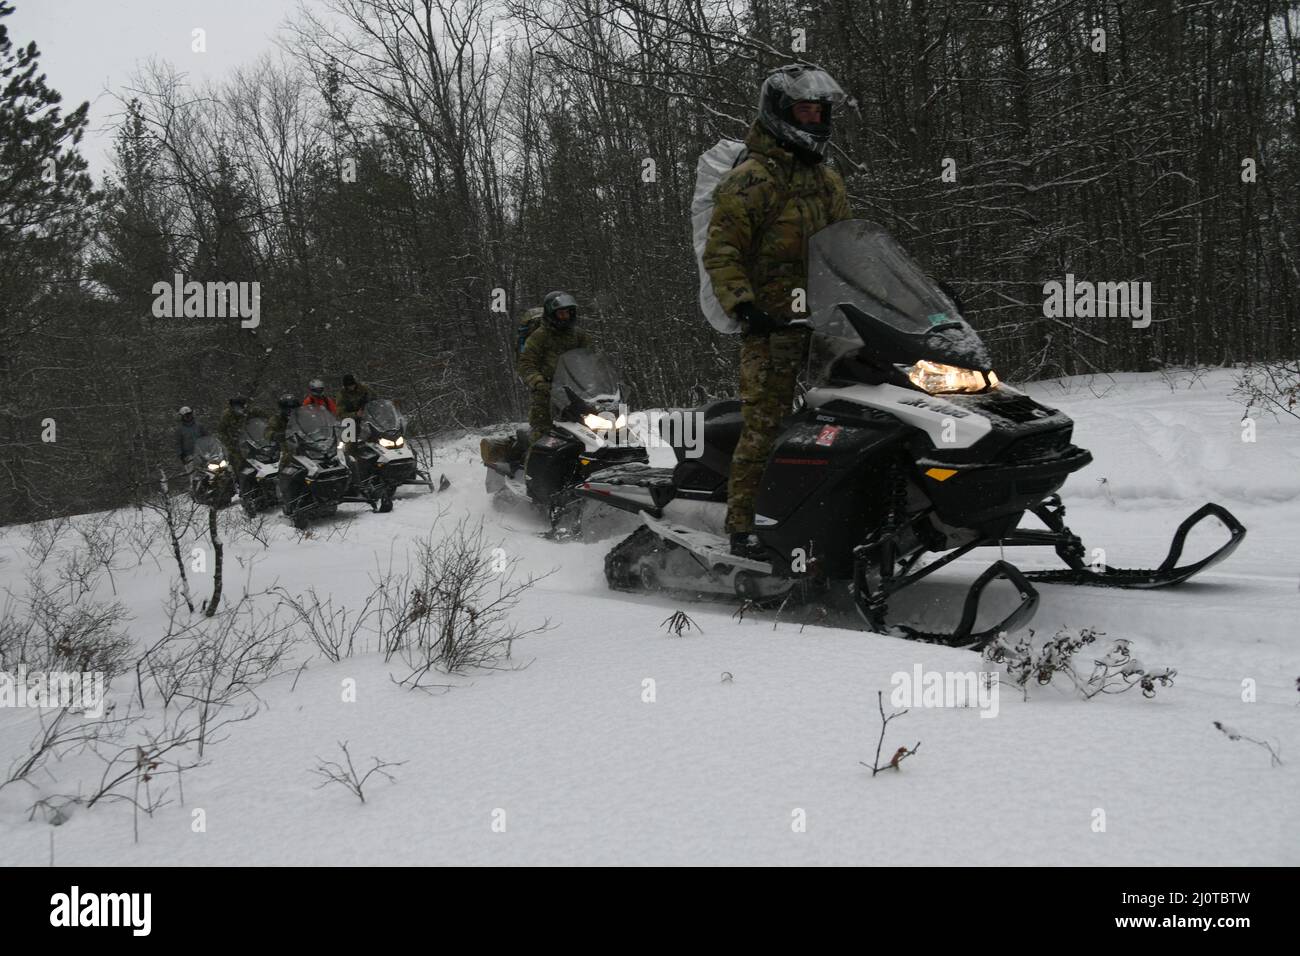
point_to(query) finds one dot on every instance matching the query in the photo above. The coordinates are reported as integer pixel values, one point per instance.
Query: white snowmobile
(907, 443)
(315, 478)
(589, 433)
(211, 482)
(380, 459)
(258, 477)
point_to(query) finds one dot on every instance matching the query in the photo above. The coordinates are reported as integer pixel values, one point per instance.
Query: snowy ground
(722, 771)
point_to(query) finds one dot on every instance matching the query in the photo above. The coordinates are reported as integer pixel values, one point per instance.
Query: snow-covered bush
(43, 631)
(1274, 386)
(1114, 672)
(453, 611)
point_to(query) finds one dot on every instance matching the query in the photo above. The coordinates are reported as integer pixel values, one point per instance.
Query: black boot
(745, 544)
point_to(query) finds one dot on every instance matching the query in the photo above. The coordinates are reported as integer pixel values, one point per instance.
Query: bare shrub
(347, 776)
(43, 538)
(333, 630)
(61, 733)
(453, 611)
(1271, 385)
(43, 632)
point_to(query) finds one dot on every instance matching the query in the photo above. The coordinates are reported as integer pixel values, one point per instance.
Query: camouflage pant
(539, 417)
(769, 365)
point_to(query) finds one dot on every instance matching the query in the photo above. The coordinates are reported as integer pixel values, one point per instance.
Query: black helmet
(238, 400)
(316, 387)
(555, 302)
(799, 84)
(287, 401)
(349, 379)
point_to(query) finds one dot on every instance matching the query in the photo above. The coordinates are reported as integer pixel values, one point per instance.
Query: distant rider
(352, 402)
(557, 334)
(316, 396)
(189, 431)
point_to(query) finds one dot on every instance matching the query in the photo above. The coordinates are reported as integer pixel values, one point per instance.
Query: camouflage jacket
(230, 426)
(543, 350)
(352, 399)
(276, 424)
(765, 211)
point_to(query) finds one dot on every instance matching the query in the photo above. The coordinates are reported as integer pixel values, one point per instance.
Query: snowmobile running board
(704, 545)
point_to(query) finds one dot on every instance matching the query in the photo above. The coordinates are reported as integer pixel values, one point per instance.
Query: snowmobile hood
(864, 290)
(585, 379)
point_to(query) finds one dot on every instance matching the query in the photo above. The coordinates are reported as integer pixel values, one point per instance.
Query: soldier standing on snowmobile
(232, 422)
(352, 402)
(187, 433)
(765, 212)
(557, 334)
(279, 423)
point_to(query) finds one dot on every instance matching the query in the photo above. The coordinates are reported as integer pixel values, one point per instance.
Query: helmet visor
(809, 85)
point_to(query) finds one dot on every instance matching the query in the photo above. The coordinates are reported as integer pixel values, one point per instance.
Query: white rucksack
(719, 160)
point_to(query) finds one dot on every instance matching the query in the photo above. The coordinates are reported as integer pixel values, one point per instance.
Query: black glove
(755, 320)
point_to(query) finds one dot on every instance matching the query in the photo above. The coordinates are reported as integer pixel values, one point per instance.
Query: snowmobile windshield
(315, 426)
(384, 416)
(254, 433)
(208, 449)
(865, 291)
(586, 379)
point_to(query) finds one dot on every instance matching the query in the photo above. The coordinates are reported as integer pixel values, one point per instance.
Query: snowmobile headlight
(937, 378)
(213, 466)
(387, 443)
(597, 422)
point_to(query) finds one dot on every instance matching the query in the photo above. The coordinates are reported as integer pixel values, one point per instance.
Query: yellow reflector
(941, 474)
(585, 461)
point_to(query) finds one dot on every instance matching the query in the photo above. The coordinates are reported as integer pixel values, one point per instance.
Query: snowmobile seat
(722, 423)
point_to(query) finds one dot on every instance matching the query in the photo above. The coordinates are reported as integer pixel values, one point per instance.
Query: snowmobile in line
(258, 478)
(211, 481)
(380, 460)
(906, 444)
(315, 478)
(588, 433)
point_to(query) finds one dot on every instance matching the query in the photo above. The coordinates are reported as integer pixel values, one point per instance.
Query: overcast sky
(90, 46)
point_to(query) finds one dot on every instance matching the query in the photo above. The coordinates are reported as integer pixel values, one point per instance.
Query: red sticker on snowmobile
(829, 434)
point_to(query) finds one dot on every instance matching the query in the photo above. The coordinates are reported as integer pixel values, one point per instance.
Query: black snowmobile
(211, 481)
(906, 443)
(380, 459)
(258, 478)
(588, 433)
(315, 478)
